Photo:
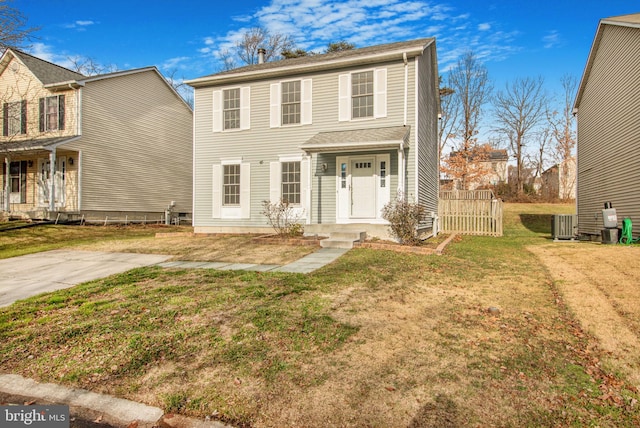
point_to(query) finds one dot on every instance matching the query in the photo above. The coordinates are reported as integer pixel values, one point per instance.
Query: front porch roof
(35, 144)
(394, 137)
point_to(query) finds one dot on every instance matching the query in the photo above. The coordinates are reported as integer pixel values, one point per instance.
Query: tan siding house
(608, 115)
(117, 145)
(338, 135)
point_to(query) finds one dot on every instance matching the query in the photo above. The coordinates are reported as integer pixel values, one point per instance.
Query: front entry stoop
(343, 239)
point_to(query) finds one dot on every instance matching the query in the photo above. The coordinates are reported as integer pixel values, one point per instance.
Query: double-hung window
(52, 111)
(14, 118)
(362, 95)
(291, 102)
(231, 185)
(291, 182)
(231, 109)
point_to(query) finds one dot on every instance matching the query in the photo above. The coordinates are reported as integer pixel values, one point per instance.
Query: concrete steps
(343, 239)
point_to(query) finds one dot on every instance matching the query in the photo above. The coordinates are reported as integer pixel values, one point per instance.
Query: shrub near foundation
(404, 217)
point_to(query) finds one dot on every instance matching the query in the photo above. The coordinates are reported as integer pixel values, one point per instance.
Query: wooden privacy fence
(470, 212)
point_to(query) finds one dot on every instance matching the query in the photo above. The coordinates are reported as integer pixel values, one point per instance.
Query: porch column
(52, 175)
(401, 178)
(309, 196)
(7, 185)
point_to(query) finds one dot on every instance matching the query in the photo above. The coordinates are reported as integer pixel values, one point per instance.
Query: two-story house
(116, 145)
(338, 135)
(608, 126)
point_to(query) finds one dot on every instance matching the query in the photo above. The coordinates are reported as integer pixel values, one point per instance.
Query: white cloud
(552, 39)
(177, 62)
(80, 25)
(315, 23)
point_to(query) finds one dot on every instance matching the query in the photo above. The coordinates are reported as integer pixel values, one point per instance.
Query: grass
(375, 339)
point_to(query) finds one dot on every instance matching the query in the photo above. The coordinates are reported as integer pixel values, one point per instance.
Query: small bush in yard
(404, 218)
(283, 218)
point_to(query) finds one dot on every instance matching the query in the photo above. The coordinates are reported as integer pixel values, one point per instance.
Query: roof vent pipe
(261, 52)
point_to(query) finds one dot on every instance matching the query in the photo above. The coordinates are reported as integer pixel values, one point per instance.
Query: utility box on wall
(564, 226)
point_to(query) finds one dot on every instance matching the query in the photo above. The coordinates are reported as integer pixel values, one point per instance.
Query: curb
(93, 408)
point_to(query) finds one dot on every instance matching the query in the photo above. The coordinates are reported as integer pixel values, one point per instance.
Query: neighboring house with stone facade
(337, 135)
(116, 145)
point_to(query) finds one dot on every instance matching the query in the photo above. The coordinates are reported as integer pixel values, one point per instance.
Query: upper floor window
(362, 95)
(14, 118)
(52, 113)
(291, 102)
(231, 108)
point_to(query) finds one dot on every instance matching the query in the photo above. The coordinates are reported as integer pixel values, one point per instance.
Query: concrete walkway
(26, 276)
(306, 264)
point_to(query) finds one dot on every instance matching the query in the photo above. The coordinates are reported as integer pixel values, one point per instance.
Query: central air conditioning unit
(564, 226)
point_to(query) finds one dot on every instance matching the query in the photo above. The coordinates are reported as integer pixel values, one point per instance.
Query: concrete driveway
(26, 276)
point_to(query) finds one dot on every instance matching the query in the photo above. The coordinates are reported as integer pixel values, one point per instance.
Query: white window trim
(380, 84)
(218, 111)
(275, 182)
(306, 103)
(218, 209)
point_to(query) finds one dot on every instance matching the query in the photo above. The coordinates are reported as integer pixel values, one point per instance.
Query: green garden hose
(627, 237)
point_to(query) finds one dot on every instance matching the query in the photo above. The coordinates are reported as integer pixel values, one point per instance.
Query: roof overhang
(35, 145)
(391, 138)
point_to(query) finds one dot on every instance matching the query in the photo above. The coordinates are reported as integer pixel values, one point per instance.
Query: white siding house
(338, 135)
(117, 145)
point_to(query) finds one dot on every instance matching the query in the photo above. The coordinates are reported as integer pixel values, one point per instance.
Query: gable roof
(318, 62)
(632, 20)
(46, 72)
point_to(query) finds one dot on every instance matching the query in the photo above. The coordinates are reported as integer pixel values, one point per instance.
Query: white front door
(44, 181)
(363, 188)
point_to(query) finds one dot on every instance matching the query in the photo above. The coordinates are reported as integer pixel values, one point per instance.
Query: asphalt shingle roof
(45, 71)
(353, 53)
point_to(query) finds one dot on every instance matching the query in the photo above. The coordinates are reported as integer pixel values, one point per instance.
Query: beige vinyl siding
(262, 144)
(136, 145)
(427, 134)
(609, 131)
(23, 85)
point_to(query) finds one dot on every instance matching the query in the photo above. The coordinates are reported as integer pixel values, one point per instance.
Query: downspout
(406, 86)
(79, 167)
(401, 157)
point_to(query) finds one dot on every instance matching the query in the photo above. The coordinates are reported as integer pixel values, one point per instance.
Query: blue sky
(514, 39)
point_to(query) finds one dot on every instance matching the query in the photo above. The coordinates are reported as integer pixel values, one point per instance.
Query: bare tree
(562, 125)
(227, 59)
(257, 38)
(13, 30)
(449, 111)
(177, 83)
(519, 109)
(89, 67)
(469, 81)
